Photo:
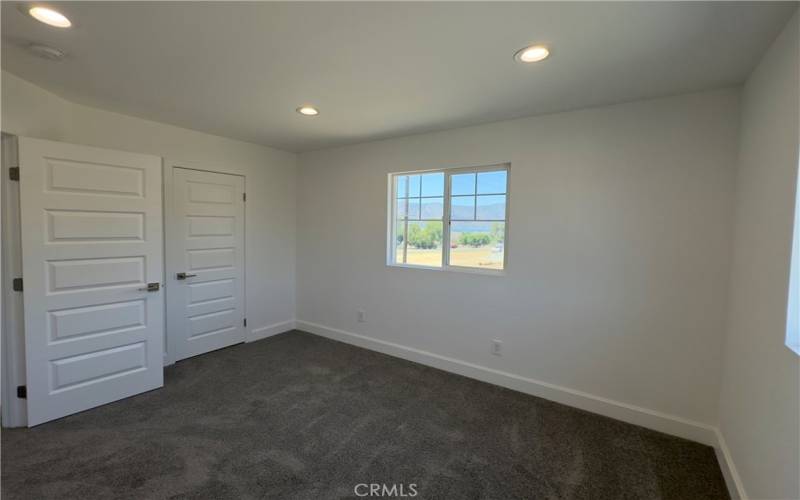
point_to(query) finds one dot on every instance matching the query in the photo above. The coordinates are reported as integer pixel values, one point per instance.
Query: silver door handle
(183, 276)
(151, 287)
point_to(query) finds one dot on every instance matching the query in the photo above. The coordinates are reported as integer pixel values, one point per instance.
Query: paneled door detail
(206, 262)
(92, 272)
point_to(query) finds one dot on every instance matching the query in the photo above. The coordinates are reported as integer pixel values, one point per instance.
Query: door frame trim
(170, 339)
(12, 314)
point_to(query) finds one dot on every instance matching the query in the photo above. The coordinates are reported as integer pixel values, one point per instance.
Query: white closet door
(91, 242)
(206, 262)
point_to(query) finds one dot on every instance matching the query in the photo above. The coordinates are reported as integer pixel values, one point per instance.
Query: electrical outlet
(497, 347)
(362, 315)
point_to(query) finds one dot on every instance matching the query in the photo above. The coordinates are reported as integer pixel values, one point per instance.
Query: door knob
(151, 287)
(183, 276)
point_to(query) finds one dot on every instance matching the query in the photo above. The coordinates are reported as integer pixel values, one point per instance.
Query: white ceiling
(379, 70)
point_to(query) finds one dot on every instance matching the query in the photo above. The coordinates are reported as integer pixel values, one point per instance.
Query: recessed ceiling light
(308, 110)
(534, 53)
(50, 16)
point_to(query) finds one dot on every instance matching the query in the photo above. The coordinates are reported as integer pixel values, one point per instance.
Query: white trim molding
(658, 421)
(14, 410)
(270, 330)
(651, 419)
(729, 472)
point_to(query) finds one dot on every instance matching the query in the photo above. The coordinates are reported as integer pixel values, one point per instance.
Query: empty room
(434, 250)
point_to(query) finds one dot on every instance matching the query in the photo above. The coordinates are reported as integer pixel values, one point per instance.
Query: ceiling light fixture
(534, 53)
(308, 110)
(50, 16)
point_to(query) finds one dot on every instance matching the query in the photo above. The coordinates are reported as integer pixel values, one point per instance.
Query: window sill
(453, 269)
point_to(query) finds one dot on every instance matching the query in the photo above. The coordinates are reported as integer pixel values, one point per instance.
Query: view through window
(452, 218)
(793, 316)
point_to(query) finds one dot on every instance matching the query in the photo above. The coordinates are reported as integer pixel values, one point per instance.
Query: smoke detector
(46, 52)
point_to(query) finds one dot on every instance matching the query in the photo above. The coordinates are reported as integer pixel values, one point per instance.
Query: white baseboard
(651, 419)
(270, 330)
(729, 472)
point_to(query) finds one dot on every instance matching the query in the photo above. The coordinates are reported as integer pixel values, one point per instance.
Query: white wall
(759, 407)
(619, 244)
(28, 110)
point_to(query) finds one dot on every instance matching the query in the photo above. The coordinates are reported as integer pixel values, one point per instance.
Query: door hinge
(13, 173)
(245, 322)
(16, 284)
(244, 196)
(22, 391)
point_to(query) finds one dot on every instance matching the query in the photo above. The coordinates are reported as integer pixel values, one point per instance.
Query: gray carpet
(299, 416)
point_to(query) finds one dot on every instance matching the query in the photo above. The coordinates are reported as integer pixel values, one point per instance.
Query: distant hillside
(495, 211)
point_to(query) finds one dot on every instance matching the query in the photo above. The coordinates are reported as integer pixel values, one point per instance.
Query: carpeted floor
(299, 416)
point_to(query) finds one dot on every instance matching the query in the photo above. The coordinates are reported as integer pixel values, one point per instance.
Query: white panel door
(91, 243)
(206, 262)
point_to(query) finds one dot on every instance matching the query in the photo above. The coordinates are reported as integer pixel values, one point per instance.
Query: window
(452, 218)
(793, 309)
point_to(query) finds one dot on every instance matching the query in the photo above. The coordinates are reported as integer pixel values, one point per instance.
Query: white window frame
(793, 306)
(446, 223)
